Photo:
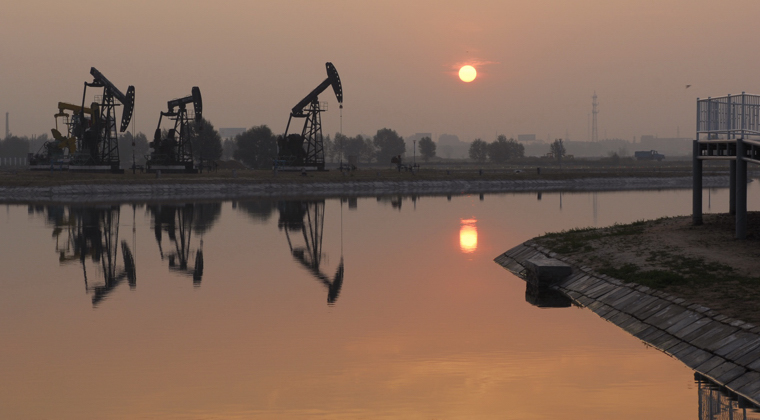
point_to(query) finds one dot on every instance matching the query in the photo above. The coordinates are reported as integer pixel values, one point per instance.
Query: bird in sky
(688, 86)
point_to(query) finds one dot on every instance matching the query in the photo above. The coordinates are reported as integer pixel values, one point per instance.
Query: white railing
(728, 117)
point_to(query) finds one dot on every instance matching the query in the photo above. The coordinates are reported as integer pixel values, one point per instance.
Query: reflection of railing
(716, 403)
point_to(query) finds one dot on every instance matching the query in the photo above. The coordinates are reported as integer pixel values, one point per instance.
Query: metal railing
(728, 117)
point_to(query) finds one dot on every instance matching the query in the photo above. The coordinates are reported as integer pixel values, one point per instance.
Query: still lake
(372, 308)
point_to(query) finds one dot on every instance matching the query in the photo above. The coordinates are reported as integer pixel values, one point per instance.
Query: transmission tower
(594, 111)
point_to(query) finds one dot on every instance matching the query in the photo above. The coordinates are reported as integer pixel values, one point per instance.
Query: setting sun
(468, 236)
(468, 73)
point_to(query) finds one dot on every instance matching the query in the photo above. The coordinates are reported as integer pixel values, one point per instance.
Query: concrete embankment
(237, 191)
(725, 350)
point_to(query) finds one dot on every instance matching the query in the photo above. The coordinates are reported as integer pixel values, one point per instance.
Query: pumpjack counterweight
(306, 151)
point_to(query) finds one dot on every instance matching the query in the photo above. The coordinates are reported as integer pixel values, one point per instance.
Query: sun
(468, 73)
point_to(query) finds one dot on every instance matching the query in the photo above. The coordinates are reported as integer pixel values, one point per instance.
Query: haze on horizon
(538, 62)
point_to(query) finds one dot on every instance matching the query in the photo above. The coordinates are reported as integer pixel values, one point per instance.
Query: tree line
(500, 150)
(257, 147)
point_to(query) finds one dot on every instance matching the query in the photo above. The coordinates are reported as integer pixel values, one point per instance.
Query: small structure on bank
(728, 128)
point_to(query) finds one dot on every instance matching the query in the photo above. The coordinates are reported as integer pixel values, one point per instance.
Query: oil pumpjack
(97, 144)
(52, 154)
(306, 150)
(174, 152)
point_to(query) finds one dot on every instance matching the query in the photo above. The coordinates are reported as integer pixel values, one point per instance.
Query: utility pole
(414, 142)
(594, 111)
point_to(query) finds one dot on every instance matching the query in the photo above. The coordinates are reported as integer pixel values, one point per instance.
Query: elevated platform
(728, 128)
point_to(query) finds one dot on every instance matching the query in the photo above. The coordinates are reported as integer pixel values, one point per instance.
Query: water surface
(238, 310)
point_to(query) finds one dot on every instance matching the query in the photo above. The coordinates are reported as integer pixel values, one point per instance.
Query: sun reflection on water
(468, 236)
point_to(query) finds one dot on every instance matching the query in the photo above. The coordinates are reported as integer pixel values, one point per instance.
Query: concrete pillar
(741, 191)
(732, 188)
(696, 201)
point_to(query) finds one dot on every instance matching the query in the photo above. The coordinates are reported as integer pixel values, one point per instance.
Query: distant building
(228, 133)
(450, 147)
(526, 137)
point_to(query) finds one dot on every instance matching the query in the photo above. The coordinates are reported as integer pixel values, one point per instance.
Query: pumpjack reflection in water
(308, 217)
(396, 201)
(180, 221)
(92, 233)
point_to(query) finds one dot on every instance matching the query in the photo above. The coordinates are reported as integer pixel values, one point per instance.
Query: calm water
(238, 310)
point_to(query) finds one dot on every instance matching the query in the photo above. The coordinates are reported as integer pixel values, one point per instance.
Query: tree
(478, 150)
(36, 142)
(328, 146)
(503, 150)
(355, 146)
(369, 152)
(205, 140)
(228, 148)
(338, 151)
(388, 144)
(256, 147)
(427, 148)
(141, 149)
(15, 146)
(557, 149)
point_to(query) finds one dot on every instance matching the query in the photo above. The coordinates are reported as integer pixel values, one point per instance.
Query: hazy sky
(539, 62)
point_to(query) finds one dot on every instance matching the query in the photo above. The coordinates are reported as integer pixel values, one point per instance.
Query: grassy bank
(703, 264)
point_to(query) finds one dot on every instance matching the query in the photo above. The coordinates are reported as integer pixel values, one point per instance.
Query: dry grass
(703, 264)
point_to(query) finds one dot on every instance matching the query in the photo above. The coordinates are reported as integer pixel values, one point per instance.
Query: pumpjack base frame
(309, 168)
(114, 168)
(172, 169)
(49, 167)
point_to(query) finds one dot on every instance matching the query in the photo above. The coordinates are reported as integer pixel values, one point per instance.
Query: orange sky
(538, 62)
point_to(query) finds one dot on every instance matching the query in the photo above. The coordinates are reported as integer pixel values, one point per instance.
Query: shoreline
(235, 190)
